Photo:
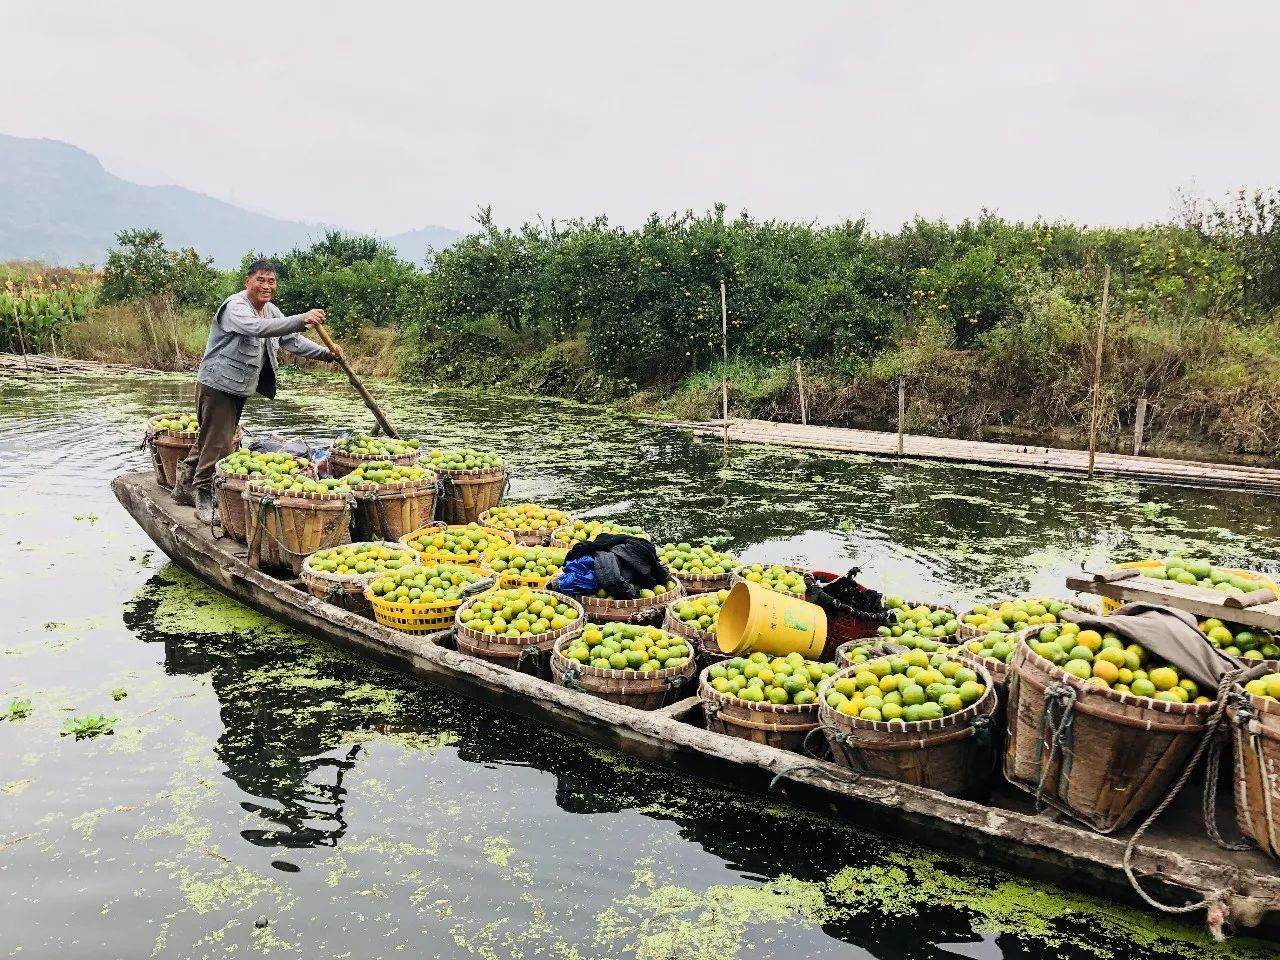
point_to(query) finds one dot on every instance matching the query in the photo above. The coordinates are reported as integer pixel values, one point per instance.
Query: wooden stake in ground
(1095, 411)
(1139, 425)
(365, 395)
(724, 359)
(902, 409)
(804, 406)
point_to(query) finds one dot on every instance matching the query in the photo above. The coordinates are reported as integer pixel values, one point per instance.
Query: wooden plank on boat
(845, 440)
(1176, 868)
(1201, 601)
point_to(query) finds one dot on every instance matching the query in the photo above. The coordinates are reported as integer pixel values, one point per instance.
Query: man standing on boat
(239, 359)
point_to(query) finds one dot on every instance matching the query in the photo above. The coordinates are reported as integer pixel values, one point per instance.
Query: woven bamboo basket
(562, 542)
(1132, 749)
(229, 492)
(286, 528)
(781, 725)
(844, 652)
(469, 493)
(736, 575)
(954, 755)
(526, 654)
(967, 632)
(346, 590)
(528, 538)
(1257, 765)
(640, 610)
(478, 559)
(703, 582)
(168, 448)
(342, 462)
(644, 690)
(508, 579)
(392, 510)
(704, 641)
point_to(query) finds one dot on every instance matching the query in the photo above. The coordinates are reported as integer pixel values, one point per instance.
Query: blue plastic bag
(577, 578)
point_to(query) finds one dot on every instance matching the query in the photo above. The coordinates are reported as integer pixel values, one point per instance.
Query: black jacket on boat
(624, 565)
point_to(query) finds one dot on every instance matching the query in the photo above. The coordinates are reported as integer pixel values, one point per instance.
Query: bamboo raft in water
(1175, 859)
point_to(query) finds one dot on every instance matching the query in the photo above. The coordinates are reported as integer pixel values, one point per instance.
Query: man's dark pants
(218, 414)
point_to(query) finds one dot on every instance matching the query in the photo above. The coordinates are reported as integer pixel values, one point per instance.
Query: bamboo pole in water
(724, 359)
(1095, 410)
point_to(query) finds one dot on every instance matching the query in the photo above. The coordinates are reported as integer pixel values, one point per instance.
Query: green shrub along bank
(993, 324)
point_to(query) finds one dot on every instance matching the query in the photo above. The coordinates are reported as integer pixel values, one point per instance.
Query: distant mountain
(58, 205)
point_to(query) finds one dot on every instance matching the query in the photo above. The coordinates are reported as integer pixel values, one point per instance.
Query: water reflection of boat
(1173, 859)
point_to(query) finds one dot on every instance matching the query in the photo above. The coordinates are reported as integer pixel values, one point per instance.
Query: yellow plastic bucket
(755, 618)
(1111, 606)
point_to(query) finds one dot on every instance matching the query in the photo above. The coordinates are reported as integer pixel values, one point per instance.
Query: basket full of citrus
(923, 719)
(1257, 753)
(1127, 722)
(774, 576)
(169, 439)
(468, 544)
(530, 523)
(637, 666)
(918, 626)
(354, 449)
(773, 701)
(697, 617)
(474, 482)
(340, 574)
(647, 605)
(290, 517)
(517, 565)
(700, 568)
(580, 531)
(517, 627)
(423, 598)
(232, 474)
(392, 499)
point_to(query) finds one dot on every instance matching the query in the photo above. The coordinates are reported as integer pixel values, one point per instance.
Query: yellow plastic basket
(429, 557)
(414, 617)
(1110, 606)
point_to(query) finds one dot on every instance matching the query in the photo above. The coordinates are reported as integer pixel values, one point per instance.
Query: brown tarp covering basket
(524, 654)
(781, 725)
(342, 462)
(466, 494)
(1098, 755)
(346, 590)
(286, 528)
(704, 641)
(1255, 724)
(954, 755)
(644, 690)
(390, 511)
(640, 610)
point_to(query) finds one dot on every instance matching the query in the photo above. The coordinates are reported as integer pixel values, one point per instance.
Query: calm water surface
(263, 794)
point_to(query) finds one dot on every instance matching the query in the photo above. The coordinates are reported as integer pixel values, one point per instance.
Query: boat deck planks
(1178, 862)
(875, 443)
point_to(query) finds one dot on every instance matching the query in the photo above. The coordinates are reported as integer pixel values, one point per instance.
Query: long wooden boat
(1176, 861)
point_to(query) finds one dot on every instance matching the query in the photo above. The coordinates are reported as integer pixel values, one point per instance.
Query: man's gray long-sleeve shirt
(239, 340)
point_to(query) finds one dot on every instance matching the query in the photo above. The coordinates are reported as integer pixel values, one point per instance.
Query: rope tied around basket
(805, 745)
(531, 652)
(269, 506)
(1057, 721)
(1215, 902)
(364, 530)
(570, 680)
(673, 685)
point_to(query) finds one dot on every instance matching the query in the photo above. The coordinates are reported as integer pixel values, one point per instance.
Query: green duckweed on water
(257, 774)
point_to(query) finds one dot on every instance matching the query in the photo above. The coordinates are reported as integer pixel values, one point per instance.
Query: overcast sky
(385, 116)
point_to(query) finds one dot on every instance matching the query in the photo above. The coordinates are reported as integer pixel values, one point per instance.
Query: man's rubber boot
(204, 506)
(184, 493)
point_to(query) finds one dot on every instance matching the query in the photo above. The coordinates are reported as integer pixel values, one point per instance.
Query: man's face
(261, 287)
